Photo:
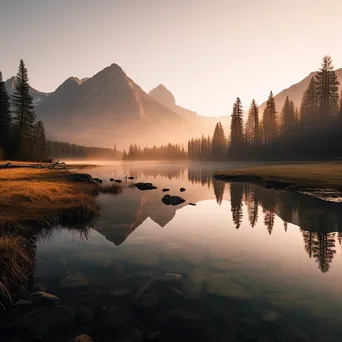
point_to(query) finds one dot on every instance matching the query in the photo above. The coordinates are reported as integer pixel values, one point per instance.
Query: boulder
(21, 307)
(44, 299)
(222, 285)
(74, 281)
(182, 189)
(82, 338)
(172, 200)
(145, 186)
(52, 320)
(82, 177)
(84, 315)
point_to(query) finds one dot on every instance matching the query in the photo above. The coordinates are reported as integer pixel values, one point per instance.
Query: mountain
(37, 95)
(107, 109)
(295, 92)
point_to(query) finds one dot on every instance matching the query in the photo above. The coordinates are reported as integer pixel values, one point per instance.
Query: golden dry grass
(15, 262)
(28, 194)
(317, 175)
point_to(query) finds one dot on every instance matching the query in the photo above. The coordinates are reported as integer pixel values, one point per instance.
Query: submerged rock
(222, 285)
(74, 281)
(270, 315)
(29, 319)
(44, 298)
(84, 315)
(145, 186)
(82, 338)
(172, 200)
(52, 320)
(193, 284)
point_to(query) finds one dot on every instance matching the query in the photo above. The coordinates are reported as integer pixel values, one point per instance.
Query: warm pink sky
(207, 52)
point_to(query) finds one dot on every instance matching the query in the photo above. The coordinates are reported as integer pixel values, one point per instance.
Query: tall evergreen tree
(236, 126)
(288, 116)
(5, 119)
(252, 131)
(40, 142)
(218, 144)
(308, 107)
(327, 88)
(23, 115)
(270, 120)
(340, 109)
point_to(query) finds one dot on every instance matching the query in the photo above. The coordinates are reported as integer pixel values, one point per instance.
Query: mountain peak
(162, 95)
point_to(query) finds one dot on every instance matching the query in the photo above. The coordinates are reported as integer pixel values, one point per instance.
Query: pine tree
(340, 109)
(218, 145)
(288, 116)
(270, 119)
(40, 142)
(5, 119)
(252, 131)
(327, 88)
(236, 126)
(308, 107)
(23, 115)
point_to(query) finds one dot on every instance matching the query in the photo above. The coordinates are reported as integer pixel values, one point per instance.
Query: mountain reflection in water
(253, 264)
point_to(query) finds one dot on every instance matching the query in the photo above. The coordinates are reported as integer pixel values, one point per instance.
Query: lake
(243, 264)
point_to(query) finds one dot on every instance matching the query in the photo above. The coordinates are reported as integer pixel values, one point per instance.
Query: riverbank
(28, 194)
(320, 180)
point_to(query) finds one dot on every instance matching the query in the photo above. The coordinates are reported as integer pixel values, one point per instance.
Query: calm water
(247, 264)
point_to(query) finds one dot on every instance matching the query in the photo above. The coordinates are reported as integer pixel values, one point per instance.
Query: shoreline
(319, 180)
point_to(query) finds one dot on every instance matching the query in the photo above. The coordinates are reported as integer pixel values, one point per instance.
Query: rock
(27, 320)
(111, 179)
(21, 307)
(118, 181)
(270, 316)
(23, 302)
(84, 315)
(56, 318)
(135, 335)
(172, 200)
(98, 180)
(120, 293)
(154, 336)
(21, 292)
(181, 189)
(74, 281)
(43, 298)
(165, 190)
(145, 186)
(130, 177)
(222, 285)
(193, 284)
(82, 338)
(82, 177)
(192, 204)
(147, 301)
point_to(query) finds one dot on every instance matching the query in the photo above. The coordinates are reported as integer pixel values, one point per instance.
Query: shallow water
(255, 265)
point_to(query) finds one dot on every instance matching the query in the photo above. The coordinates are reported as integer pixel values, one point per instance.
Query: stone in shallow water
(44, 298)
(53, 320)
(27, 320)
(145, 186)
(270, 315)
(74, 281)
(84, 315)
(222, 285)
(82, 338)
(193, 284)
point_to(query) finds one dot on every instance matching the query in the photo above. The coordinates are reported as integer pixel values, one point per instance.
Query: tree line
(311, 132)
(22, 136)
(57, 149)
(164, 152)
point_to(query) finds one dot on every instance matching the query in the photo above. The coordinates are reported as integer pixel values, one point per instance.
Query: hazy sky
(207, 52)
